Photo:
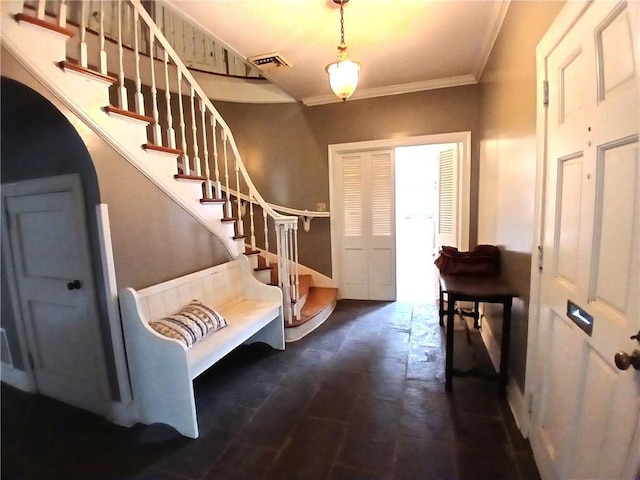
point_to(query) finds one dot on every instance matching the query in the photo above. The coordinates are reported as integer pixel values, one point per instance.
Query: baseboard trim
(16, 378)
(123, 413)
(515, 397)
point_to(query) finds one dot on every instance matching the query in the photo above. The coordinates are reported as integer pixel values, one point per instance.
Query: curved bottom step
(319, 305)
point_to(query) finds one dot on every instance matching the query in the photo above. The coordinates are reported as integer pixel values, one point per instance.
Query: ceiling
(402, 45)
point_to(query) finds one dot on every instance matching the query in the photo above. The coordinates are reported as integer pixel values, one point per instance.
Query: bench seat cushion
(244, 319)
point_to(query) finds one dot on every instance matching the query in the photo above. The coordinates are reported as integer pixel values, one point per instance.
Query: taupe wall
(508, 158)
(153, 238)
(285, 146)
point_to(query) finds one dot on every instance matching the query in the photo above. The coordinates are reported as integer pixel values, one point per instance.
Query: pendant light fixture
(343, 74)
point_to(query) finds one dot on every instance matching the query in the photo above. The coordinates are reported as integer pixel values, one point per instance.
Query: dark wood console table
(475, 288)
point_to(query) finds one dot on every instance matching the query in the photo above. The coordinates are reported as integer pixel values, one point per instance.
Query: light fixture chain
(342, 23)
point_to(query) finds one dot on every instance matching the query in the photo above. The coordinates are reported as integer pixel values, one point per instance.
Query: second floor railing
(197, 49)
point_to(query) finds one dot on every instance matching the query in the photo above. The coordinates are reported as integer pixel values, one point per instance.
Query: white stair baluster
(296, 272)
(171, 133)
(184, 159)
(139, 98)
(239, 222)
(252, 227)
(217, 186)
(205, 148)
(62, 14)
(290, 265)
(103, 52)
(82, 45)
(41, 10)
(157, 133)
(122, 91)
(194, 130)
(228, 212)
(265, 219)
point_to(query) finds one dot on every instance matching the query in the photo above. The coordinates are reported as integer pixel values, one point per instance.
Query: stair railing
(188, 109)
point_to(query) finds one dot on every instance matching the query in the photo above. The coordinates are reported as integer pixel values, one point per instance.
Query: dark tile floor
(360, 398)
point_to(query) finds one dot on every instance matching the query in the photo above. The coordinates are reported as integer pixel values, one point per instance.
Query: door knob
(75, 285)
(624, 360)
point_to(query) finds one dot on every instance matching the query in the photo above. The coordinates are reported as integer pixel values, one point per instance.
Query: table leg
(504, 349)
(448, 369)
(441, 306)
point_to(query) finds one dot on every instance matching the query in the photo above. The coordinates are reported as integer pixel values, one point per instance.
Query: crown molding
(361, 94)
(497, 17)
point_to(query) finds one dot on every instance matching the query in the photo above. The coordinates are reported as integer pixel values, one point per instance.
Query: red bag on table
(482, 260)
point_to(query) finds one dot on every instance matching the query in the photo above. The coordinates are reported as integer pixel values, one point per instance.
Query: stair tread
(127, 113)
(212, 200)
(160, 148)
(182, 176)
(23, 17)
(71, 65)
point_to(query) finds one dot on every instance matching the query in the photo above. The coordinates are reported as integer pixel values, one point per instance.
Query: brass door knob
(624, 360)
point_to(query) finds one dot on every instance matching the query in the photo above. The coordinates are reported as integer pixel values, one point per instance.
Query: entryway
(417, 201)
(383, 228)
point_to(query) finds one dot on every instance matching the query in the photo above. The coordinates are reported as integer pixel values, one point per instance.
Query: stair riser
(294, 334)
(263, 275)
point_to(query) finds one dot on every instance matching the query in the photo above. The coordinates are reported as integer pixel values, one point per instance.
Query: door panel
(569, 202)
(556, 422)
(49, 249)
(586, 410)
(615, 217)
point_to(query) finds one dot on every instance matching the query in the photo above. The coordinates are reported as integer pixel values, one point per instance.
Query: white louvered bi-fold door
(368, 229)
(447, 224)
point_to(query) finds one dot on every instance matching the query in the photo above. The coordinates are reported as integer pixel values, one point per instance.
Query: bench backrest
(218, 287)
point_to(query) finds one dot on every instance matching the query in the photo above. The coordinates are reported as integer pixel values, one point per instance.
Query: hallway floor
(360, 398)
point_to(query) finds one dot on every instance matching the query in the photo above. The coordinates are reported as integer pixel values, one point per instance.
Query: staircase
(163, 124)
(315, 303)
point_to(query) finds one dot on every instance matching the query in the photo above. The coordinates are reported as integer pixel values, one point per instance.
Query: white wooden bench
(162, 369)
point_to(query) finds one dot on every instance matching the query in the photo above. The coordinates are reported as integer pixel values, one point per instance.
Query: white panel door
(368, 226)
(447, 223)
(52, 268)
(585, 410)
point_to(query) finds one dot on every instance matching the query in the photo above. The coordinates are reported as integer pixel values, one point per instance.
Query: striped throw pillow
(191, 324)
